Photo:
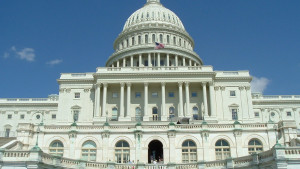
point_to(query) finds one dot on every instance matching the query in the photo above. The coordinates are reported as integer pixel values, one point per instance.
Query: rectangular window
(289, 113)
(154, 94)
(232, 93)
(171, 94)
(194, 94)
(256, 114)
(53, 116)
(22, 116)
(9, 116)
(138, 95)
(162, 63)
(77, 95)
(115, 95)
(234, 114)
(146, 63)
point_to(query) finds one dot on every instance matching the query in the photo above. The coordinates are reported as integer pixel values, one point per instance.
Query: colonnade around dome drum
(156, 59)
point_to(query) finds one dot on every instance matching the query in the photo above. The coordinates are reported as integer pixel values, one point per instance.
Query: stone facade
(153, 104)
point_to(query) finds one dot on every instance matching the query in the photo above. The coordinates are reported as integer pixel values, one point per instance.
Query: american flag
(159, 45)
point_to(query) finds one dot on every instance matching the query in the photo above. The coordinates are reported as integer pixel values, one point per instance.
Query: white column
(249, 99)
(140, 60)
(128, 100)
(158, 59)
(149, 60)
(168, 57)
(190, 62)
(176, 60)
(97, 100)
(183, 60)
(163, 101)
(122, 100)
(124, 62)
(204, 98)
(180, 100)
(187, 99)
(212, 100)
(131, 61)
(146, 115)
(104, 100)
(118, 63)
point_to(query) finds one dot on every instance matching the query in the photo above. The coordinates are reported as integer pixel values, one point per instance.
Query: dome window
(139, 39)
(147, 14)
(161, 38)
(168, 39)
(153, 38)
(174, 40)
(146, 39)
(132, 40)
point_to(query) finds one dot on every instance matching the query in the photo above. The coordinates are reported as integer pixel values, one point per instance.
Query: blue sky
(39, 39)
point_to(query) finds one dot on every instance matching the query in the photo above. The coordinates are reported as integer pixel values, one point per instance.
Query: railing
(264, 158)
(276, 97)
(154, 68)
(14, 100)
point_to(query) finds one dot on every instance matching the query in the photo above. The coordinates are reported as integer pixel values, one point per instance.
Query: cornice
(75, 80)
(153, 73)
(29, 104)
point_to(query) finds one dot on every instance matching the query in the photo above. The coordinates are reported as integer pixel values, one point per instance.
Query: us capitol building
(152, 108)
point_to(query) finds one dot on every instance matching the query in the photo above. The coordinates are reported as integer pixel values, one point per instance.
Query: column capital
(163, 83)
(241, 87)
(146, 83)
(187, 84)
(128, 84)
(222, 88)
(203, 83)
(211, 83)
(180, 84)
(217, 87)
(247, 87)
(105, 84)
(98, 84)
(122, 84)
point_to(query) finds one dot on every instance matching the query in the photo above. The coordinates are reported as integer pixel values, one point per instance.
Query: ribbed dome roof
(153, 12)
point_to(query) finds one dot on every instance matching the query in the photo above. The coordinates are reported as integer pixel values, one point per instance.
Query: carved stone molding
(146, 83)
(87, 90)
(203, 83)
(138, 134)
(205, 134)
(217, 88)
(68, 90)
(180, 84)
(247, 87)
(163, 83)
(222, 88)
(237, 132)
(105, 134)
(128, 84)
(241, 87)
(294, 109)
(122, 84)
(171, 133)
(187, 84)
(105, 84)
(73, 134)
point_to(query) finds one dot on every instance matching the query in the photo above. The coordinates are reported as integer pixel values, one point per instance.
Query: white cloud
(6, 55)
(26, 54)
(13, 48)
(54, 62)
(259, 84)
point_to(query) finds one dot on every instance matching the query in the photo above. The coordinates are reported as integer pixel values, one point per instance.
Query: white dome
(153, 12)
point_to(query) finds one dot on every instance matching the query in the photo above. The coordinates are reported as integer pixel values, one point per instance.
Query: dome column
(131, 61)
(140, 60)
(168, 58)
(183, 61)
(158, 59)
(124, 62)
(176, 60)
(149, 60)
(163, 102)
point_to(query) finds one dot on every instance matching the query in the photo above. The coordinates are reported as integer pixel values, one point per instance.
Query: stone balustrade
(38, 159)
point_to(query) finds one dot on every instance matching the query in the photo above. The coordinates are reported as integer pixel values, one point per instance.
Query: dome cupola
(149, 25)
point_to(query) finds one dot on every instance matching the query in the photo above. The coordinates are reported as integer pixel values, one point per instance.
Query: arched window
(171, 112)
(196, 113)
(132, 41)
(179, 42)
(127, 43)
(114, 114)
(155, 114)
(138, 114)
(255, 146)
(174, 40)
(153, 38)
(222, 149)
(161, 38)
(168, 39)
(122, 152)
(146, 39)
(89, 151)
(189, 152)
(56, 148)
(139, 40)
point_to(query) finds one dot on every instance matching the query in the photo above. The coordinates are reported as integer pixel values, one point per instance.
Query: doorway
(155, 151)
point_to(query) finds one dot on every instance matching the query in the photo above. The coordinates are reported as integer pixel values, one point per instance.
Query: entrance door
(155, 151)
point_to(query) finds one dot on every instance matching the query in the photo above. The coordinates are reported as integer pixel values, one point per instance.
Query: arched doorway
(155, 151)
